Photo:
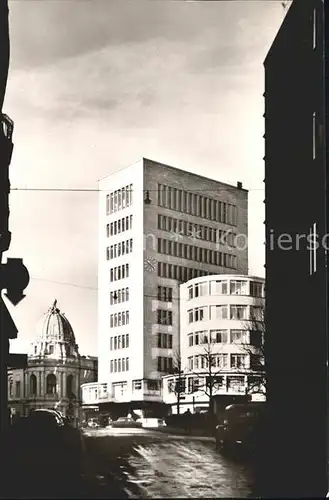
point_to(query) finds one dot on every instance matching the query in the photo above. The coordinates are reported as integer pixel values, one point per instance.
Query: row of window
(237, 361)
(180, 273)
(164, 317)
(164, 341)
(119, 365)
(196, 231)
(165, 293)
(236, 312)
(119, 272)
(118, 249)
(119, 342)
(223, 287)
(119, 319)
(164, 364)
(118, 296)
(51, 385)
(194, 384)
(119, 226)
(119, 199)
(218, 337)
(195, 204)
(137, 385)
(197, 254)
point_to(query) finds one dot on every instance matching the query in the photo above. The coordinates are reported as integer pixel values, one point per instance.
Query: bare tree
(179, 382)
(255, 330)
(210, 366)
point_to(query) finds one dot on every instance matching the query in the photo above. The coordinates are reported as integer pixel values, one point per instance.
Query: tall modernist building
(159, 226)
(296, 201)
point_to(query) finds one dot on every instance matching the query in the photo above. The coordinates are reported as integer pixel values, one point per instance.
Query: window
(51, 349)
(164, 317)
(164, 341)
(165, 364)
(201, 289)
(18, 389)
(153, 385)
(218, 336)
(256, 313)
(238, 312)
(218, 287)
(11, 388)
(190, 340)
(193, 384)
(51, 384)
(238, 288)
(164, 294)
(199, 314)
(33, 385)
(107, 204)
(238, 337)
(256, 289)
(314, 135)
(235, 383)
(218, 312)
(137, 385)
(238, 361)
(204, 337)
(221, 360)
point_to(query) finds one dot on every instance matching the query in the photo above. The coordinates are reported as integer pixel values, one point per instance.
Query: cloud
(96, 85)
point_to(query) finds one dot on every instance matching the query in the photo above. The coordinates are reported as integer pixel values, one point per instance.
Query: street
(138, 463)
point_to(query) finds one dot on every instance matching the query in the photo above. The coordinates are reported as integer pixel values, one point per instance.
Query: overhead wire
(123, 287)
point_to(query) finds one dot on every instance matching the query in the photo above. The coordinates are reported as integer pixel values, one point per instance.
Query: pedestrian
(188, 416)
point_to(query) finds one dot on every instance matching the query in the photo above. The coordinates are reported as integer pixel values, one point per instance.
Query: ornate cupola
(56, 338)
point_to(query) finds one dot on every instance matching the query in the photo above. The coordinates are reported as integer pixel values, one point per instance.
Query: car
(126, 422)
(93, 423)
(240, 427)
(152, 422)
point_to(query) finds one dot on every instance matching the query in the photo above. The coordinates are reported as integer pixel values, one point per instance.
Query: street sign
(7, 325)
(17, 361)
(14, 277)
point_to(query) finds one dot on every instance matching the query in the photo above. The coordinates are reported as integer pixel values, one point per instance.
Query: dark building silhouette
(296, 201)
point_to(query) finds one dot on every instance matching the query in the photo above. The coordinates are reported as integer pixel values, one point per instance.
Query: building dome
(56, 337)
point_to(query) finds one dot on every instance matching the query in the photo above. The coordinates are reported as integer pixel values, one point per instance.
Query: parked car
(126, 422)
(240, 427)
(152, 422)
(93, 423)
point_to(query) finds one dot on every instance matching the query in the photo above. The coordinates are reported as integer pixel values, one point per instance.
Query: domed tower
(56, 339)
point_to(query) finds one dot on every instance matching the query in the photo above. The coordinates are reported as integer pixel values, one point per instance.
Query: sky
(94, 85)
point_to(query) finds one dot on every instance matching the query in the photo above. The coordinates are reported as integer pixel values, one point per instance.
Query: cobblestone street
(150, 464)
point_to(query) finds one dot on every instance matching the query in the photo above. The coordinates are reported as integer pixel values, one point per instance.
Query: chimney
(239, 185)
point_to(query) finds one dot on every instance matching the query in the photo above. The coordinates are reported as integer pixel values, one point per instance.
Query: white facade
(218, 316)
(145, 251)
(55, 370)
